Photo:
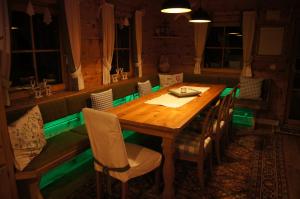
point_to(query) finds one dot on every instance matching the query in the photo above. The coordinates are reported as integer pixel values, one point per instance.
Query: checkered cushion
(250, 88)
(188, 142)
(169, 80)
(102, 100)
(144, 88)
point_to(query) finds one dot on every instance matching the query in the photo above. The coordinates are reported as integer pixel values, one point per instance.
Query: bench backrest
(64, 106)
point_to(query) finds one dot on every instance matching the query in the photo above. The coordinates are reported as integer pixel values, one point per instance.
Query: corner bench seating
(67, 145)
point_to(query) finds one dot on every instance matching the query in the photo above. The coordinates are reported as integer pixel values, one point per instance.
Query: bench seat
(57, 150)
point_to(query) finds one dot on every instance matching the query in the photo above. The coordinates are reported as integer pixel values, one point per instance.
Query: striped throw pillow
(102, 100)
(169, 80)
(144, 88)
(250, 88)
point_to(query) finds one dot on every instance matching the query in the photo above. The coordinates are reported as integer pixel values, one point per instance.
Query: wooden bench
(68, 144)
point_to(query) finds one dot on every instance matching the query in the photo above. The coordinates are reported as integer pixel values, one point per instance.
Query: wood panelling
(180, 51)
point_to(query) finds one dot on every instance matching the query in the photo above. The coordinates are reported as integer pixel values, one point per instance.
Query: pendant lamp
(176, 6)
(200, 16)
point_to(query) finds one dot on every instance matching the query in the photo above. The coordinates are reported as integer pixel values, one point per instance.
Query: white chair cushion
(27, 137)
(102, 100)
(188, 142)
(250, 88)
(144, 88)
(169, 80)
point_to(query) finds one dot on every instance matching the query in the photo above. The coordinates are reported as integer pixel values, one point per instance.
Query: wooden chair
(220, 130)
(113, 157)
(231, 103)
(196, 146)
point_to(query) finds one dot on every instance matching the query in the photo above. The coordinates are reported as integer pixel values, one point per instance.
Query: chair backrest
(208, 125)
(106, 138)
(222, 115)
(232, 95)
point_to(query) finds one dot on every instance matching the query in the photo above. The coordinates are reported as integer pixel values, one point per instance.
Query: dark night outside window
(224, 48)
(35, 49)
(122, 51)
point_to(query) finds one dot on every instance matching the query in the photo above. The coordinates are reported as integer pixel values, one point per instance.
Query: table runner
(172, 101)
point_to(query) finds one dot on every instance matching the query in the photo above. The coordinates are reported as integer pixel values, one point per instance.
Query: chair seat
(188, 142)
(141, 161)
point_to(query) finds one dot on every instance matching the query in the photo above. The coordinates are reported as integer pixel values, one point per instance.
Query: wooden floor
(291, 146)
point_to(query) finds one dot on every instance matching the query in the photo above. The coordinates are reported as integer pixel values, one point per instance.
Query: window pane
(233, 37)
(114, 63)
(215, 36)
(21, 69)
(49, 67)
(233, 58)
(213, 58)
(123, 60)
(123, 36)
(45, 36)
(20, 31)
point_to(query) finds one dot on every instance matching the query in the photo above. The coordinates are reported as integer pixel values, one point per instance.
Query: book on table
(184, 91)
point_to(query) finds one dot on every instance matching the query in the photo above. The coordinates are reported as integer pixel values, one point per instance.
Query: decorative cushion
(102, 100)
(250, 88)
(169, 80)
(27, 137)
(188, 142)
(144, 88)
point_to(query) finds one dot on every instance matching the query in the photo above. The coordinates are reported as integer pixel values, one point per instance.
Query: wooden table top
(160, 118)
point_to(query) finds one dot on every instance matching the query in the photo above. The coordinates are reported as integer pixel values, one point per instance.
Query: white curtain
(108, 22)
(139, 38)
(5, 50)
(248, 37)
(72, 9)
(200, 38)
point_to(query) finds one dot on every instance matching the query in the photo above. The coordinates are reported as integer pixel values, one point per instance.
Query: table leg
(168, 167)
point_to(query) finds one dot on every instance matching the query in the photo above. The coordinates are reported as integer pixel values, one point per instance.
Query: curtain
(138, 37)
(200, 38)
(108, 22)
(5, 50)
(248, 37)
(72, 10)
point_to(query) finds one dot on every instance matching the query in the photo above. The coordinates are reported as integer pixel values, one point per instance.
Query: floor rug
(252, 167)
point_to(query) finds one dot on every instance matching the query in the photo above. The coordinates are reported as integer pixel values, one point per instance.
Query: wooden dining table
(165, 122)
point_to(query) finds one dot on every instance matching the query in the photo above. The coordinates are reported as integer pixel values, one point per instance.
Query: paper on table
(169, 100)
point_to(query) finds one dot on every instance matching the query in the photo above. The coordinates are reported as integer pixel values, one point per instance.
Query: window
(122, 51)
(36, 52)
(224, 48)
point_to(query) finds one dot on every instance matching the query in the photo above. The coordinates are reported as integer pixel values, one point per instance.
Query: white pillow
(169, 80)
(144, 88)
(102, 100)
(27, 137)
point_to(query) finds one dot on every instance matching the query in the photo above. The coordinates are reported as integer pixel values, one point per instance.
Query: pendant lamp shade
(176, 6)
(200, 16)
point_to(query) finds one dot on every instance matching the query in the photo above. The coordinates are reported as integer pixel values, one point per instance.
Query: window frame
(130, 49)
(21, 7)
(222, 69)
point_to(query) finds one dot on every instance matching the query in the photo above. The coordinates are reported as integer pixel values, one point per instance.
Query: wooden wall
(180, 50)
